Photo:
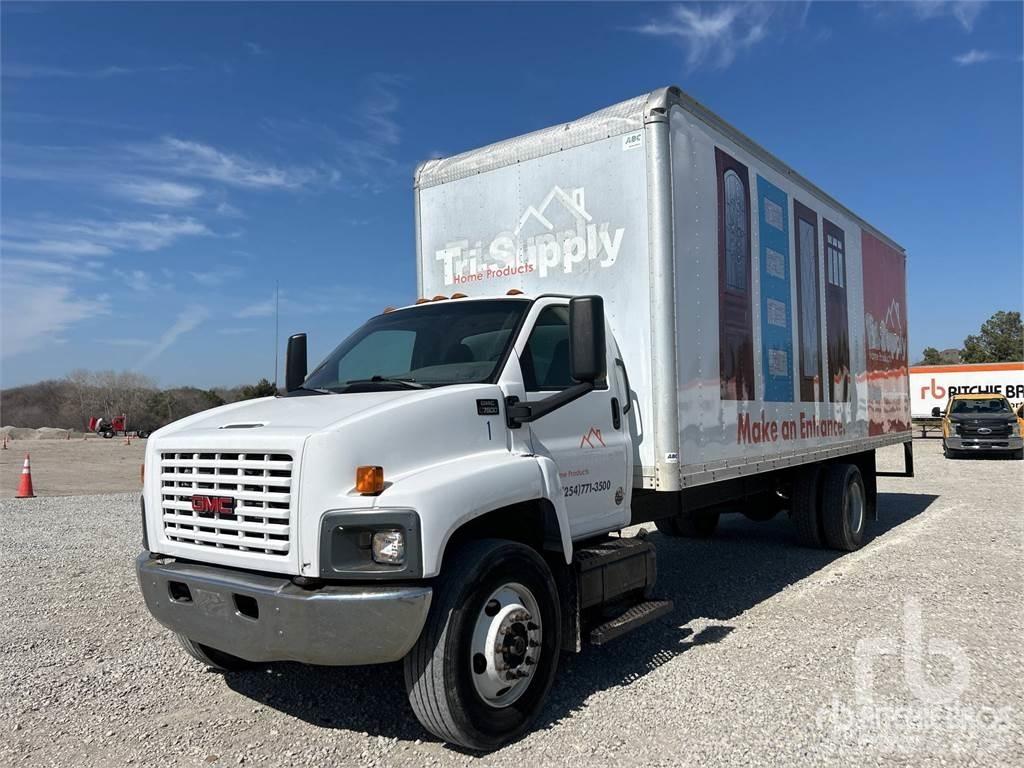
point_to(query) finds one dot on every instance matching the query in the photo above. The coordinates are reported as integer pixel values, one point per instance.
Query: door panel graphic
(776, 314)
(735, 321)
(808, 302)
(836, 313)
(885, 327)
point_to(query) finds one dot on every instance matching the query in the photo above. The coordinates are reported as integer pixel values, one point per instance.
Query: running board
(634, 617)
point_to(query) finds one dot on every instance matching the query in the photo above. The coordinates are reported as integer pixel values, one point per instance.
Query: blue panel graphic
(776, 313)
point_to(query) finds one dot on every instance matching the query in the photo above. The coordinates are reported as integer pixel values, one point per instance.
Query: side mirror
(295, 362)
(936, 412)
(587, 358)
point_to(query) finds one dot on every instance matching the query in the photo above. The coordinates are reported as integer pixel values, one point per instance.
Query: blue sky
(163, 165)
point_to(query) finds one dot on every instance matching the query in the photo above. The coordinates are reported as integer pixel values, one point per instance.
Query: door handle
(616, 420)
(625, 377)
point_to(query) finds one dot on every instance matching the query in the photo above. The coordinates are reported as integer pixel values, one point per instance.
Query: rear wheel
(108, 433)
(804, 506)
(485, 661)
(843, 507)
(211, 657)
(699, 524)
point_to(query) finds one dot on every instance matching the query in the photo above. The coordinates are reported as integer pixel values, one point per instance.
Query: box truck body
(637, 316)
(762, 324)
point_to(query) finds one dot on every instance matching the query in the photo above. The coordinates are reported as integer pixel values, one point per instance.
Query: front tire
(949, 453)
(211, 657)
(843, 507)
(484, 663)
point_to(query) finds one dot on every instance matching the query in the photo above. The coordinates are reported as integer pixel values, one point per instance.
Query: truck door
(589, 438)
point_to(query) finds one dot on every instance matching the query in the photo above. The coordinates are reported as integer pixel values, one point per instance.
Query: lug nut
(532, 627)
(528, 661)
(533, 644)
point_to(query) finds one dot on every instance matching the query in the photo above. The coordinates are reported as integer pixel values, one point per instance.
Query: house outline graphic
(572, 200)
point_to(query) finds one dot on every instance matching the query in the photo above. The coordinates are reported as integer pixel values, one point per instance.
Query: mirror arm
(519, 412)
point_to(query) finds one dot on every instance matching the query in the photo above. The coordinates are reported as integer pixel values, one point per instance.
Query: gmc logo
(209, 504)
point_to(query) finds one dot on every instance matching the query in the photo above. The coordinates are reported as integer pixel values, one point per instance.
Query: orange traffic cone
(25, 486)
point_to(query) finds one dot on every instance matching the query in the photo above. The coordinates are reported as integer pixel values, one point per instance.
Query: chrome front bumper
(268, 618)
(984, 444)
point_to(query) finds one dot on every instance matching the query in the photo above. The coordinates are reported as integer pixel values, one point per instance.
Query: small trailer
(116, 426)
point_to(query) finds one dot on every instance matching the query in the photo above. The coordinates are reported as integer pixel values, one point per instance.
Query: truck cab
(458, 452)
(980, 423)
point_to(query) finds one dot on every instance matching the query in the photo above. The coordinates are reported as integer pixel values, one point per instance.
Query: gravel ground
(74, 467)
(756, 665)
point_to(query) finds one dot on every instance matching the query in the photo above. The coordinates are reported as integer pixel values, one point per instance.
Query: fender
(447, 496)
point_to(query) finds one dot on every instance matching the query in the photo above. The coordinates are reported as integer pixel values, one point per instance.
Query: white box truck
(637, 316)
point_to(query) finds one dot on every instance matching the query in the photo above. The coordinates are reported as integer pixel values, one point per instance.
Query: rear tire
(495, 605)
(211, 657)
(700, 524)
(107, 434)
(1018, 454)
(843, 507)
(805, 507)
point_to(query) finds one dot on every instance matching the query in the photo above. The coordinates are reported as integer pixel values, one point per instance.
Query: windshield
(991, 405)
(429, 345)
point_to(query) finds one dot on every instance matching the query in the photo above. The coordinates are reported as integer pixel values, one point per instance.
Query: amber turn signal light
(369, 480)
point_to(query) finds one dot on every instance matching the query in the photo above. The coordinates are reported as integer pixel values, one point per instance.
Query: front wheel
(485, 661)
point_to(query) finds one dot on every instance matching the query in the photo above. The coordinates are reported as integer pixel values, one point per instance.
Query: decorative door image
(776, 316)
(808, 303)
(735, 321)
(836, 315)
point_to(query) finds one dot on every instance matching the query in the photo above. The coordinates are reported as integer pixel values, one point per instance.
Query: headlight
(1015, 429)
(389, 547)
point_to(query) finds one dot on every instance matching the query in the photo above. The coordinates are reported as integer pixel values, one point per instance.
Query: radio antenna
(277, 326)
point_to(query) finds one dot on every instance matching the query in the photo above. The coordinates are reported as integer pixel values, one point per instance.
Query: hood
(988, 418)
(286, 415)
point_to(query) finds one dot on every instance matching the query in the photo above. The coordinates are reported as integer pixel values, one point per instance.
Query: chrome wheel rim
(855, 507)
(506, 645)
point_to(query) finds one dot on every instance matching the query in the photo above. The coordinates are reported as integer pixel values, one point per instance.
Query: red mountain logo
(592, 434)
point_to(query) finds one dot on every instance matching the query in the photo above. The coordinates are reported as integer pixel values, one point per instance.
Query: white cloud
(202, 161)
(32, 71)
(125, 342)
(965, 12)
(255, 48)
(189, 319)
(235, 331)
(156, 192)
(93, 237)
(55, 247)
(973, 56)
(36, 312)
(258, 309)
(713, 36)
(48, 267)
(215, 277)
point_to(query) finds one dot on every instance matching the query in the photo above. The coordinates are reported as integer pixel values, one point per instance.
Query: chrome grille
(259, 484)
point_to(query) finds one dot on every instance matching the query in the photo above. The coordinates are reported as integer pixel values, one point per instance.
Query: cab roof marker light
(439, 297)
(388, 309)
(513, 292)
(422, 300)
(459, 296)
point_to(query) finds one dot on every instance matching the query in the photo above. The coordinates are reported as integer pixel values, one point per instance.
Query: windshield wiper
(313, 390)
(406, 381)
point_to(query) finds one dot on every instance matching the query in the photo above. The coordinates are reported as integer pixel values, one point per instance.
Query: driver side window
(545, 360)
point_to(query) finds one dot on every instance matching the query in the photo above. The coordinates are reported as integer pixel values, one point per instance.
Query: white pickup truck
(640, 315)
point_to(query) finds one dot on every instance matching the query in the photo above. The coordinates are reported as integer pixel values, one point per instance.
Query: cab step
(633, 617)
